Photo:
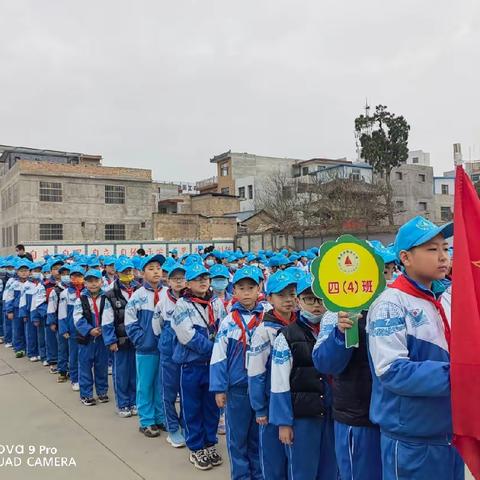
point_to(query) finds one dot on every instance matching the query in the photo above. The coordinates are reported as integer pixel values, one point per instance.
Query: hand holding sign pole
(348, 276)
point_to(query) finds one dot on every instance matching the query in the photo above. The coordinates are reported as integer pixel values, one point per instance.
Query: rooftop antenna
(457, 154)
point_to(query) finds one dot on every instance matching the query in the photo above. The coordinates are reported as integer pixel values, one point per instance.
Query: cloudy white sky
(168, 84)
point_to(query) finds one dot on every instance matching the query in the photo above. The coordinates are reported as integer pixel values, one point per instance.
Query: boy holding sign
(409, 335)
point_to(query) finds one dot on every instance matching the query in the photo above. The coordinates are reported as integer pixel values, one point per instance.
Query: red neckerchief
(404, 285)
(281, 319)
(253, 323)
(171, 297)
(261, 297)
(156, 296)
(78, 291)
(95, 309)
(187, 293)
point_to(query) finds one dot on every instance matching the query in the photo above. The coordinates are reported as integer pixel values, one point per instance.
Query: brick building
(51, 196)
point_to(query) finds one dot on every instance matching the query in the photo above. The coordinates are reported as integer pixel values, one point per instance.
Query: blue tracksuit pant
(31, 334)
(199, 410)
(93, 368)
(149, 392)
(358, 452)
(2, 322)
(73, 358)
(125, 377)
(63, 354)
(7, 328)
(420, 461)
(42, 348)
(242, 436)
(19, 341)
(170, 373)
(273, 458)
(51, 346)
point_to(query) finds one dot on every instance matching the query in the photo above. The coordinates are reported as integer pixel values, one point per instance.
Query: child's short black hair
(20, 247)
(141, 252)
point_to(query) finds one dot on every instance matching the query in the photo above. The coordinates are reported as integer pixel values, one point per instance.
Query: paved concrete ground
(36, 412)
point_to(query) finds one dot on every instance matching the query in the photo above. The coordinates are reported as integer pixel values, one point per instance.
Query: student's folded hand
(10, 316)
(221, 400)
(285, 434)
(53, 327)
(262, 420)
(113, 347)
(36, 324)
(66, 336)
(344, 322)
(95, 332)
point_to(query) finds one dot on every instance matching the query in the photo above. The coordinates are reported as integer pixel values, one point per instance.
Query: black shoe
(214, 456)
(89, 402)
(62, 377)
(161, 426)
(201, 460)
(103, 399)
(150, 432)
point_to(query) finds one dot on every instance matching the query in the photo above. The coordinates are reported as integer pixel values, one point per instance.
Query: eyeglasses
(311, 300)
(177, 279)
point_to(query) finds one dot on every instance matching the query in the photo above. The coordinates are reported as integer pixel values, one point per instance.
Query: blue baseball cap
(418, 231)
(24, 263)
(387, 254)
(93, 262)
(219, 271)
(77, 269)
(46, 268)
(176, 267)
(65, 266)
(195, 270)
(121, 264)
(279, 281)
(152, 258)
(169, 263)
(109, 260)
(295, 272)
(93, 273)
(246, 272)
(304, 283)
(192, 259)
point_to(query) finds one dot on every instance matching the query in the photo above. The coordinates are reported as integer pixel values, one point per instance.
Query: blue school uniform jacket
(228, 362)
(65, 311)
(142, 323)
(194, 334)
(80, 322)
(410, 367)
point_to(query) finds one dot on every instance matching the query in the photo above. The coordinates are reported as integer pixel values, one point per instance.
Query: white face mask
(37, 276)
(310, 317)
(65, 279)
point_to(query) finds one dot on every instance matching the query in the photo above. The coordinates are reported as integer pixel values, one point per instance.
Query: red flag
(465, 339)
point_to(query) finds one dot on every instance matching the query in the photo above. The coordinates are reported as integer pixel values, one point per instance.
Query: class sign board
(348, 276)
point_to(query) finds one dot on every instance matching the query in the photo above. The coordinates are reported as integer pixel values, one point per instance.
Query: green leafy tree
(383, 139)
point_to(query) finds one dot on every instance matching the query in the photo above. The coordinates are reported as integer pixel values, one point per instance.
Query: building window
(224, 170)
(115, 232)
(422, 177)
(50, 192)
(445, 189)
(143, 225)
(114, 194)
(250, 192)
(399, 175)
(446, 214)
(225, 191)
(422, 206)
(355, 175)
(51, 231)
(162, 210)
(415, 160)
(241, 192)
(399, 204)
(305, 171)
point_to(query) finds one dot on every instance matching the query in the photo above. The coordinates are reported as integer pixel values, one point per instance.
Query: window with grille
(115, 232)
(51, 231)
(399, 204)
(422, 206)
(50, 192)
(114, 194)
(446, 214)
(444, 189)
(250, 192)
(241, 192)
(399, 175)
(421, 177)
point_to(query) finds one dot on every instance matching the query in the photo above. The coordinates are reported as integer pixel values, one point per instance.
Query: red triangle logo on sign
(348, 261)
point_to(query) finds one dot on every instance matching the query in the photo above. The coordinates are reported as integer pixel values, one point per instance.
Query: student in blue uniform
(57, 344)
(92, 353)
(116, 339)
(408, 333)
(195, 322)
(300, 400)
(143, 327)
(169, 370)
(12, 298)
(8, 279)
(281, 294)
(66, 326)
(228, 375)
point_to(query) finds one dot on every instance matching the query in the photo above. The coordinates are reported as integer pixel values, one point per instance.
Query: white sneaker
(45, 363)
(110, 369)
(134, 410)
(34, 359)
(75, 387)
(124, 412)
(8, 345)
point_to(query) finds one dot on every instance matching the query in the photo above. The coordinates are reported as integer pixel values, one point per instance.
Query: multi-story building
(52, 196)
(418, 157)
(444, 191)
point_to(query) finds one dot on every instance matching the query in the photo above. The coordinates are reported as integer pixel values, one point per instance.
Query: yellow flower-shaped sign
(348, 274)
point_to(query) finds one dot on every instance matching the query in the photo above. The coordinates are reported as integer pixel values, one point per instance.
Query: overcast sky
(168, 84)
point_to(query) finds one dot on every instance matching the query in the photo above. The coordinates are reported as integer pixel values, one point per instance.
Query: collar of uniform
(148, 287)
(241, 309)
(420, 287)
